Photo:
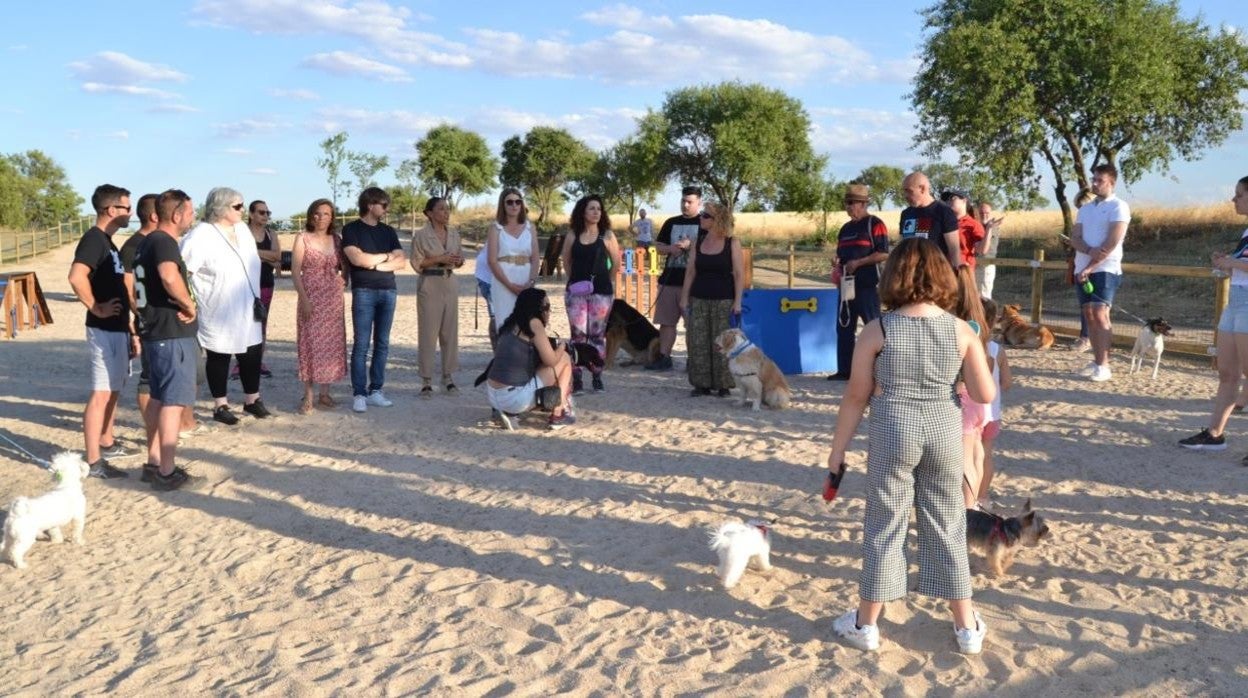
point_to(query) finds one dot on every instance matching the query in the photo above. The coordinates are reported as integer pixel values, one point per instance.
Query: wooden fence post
(1037, 286)
(792, 264)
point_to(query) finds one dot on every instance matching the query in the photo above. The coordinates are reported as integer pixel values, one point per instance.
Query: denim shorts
(1104, 286)
(1235, 314)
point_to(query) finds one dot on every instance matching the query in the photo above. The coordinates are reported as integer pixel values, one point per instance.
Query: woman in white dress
(513, 255)
(224, 268)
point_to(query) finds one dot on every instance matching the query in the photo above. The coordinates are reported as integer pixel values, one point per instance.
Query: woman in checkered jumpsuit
(906, 364)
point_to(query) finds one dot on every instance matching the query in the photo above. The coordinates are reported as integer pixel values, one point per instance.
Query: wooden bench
(23, 303)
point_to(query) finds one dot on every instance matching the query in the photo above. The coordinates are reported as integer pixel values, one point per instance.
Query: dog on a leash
(64, 505)
(998, 538)
(1017, 332)
(759, 377)
(740, 545)
(629, 330)
(1151, 341)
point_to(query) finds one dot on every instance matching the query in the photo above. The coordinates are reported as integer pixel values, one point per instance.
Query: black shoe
(257, 409)
(723, 392)
(223, 414)
(1204, 441)
(663, 363)
(151, 471)
(178, 479)
(699, 392)
(266, 373)
(597, 384)
(105, 470)
(839, 377)
(117, 450)
(578, 385)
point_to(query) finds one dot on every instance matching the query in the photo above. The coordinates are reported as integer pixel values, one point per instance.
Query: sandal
(305, 405)
(326, 401)
(427, 391)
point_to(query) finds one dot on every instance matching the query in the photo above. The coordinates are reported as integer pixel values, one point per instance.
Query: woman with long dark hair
(526, 360)
(590, 254)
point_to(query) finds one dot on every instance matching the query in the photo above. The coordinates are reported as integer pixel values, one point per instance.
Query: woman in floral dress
(319, 275)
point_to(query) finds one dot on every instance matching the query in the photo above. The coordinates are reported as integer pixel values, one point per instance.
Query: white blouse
(225, 278)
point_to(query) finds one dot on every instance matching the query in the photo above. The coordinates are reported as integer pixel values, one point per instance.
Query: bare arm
(565, 253)
(175, 287)
(1003, 368)
(362, 259)
(80, 281)
(617, 258)
(738, 275)
(857, 391)
(690, 272)
(271, 257)
(953, 244)
(548, 354)
(975, 372)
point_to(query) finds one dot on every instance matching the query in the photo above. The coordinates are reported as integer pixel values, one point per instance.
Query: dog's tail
(716, 537)
(777, 398)
(1046, 337)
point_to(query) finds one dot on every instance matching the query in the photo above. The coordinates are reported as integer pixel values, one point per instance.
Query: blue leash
(41, 462)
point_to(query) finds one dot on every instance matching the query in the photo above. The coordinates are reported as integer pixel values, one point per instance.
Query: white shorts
(110, 359)
(514, 399)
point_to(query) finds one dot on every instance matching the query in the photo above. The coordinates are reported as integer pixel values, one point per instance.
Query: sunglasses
(124, 208)
(512, 202)
(706, 216)
(264, 213)
(238, 207)
(383, 204)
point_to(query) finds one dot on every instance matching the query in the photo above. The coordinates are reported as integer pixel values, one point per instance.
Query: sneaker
(257, 409)
(839, 377)
(1081, 345)
(566, 419)
(451, 389)
(1204, 441)
(378, 399)
(105, 470)
(971, 640)
(663, 363)
(177, 480)
(578, 385)
(151, 471)
(426, 392)
(359, 403)
(597, 384)
(723, 392)
(117, 450)
(502, 419)
(1101, 374)
(866, 637)
(223, 414)
(699, 392)
(1088, 370)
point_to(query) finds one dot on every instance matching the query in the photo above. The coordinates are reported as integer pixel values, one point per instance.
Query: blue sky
(202, 93)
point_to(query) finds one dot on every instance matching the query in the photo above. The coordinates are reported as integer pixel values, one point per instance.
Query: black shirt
(371, 239)
(932, 222)
(714, 278)
(266, 269)
(860, 239)
(157, 310)
(97, 251)
(674, 230)
(591, 261)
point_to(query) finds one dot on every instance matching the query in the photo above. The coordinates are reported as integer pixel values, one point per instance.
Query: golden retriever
(759, 378)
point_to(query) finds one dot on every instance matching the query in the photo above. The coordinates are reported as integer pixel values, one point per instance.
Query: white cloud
(122, 135)
(355, 120)
(269, 171)
(856, 138)
(132, 90)
(237, 151)
(626, 17)
(245, 128)
(350, 64)
(598, 128)
(296, 94)
(172, 109)
(119, 69)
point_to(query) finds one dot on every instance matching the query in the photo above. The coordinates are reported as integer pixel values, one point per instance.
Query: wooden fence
(18, 245)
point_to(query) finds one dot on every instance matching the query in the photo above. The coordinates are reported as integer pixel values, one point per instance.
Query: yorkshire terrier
(998, 538)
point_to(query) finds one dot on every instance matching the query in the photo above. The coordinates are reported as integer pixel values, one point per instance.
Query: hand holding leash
(833, 483)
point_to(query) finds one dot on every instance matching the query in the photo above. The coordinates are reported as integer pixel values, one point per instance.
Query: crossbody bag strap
(240, 259)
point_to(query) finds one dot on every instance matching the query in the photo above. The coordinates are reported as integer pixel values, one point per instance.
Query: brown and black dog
(629, 330)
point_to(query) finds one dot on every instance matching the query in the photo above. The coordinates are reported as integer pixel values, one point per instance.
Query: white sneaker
(378, 399)
(359, 403)
(1081, 346)
(865, 638)
(1101, 374)
(971, 640)
(1088, 370)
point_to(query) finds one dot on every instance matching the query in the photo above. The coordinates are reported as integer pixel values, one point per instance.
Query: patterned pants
(707, 367)
(914, 460)
(587, 319)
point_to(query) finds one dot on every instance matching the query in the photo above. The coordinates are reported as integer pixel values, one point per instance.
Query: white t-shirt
(1097, 217)
(1238, 276)
(225, 281)
(644, 229)
(483, 265)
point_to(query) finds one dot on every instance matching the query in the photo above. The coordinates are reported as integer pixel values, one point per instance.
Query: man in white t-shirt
(1097, 238)
(644, 229)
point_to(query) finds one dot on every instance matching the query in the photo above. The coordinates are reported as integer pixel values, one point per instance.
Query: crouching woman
(529, 369)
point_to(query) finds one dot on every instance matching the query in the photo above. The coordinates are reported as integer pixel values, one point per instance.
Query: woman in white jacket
(224, 268)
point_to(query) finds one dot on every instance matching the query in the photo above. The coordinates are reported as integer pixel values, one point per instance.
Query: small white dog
(740, 545)
(1151, 341)
(759, 378)
(64, 505)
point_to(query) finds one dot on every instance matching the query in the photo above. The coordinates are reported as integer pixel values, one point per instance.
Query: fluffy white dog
(65, 504)
(740, 545)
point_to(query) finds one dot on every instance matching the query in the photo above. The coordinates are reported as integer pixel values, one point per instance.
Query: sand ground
(416, 550)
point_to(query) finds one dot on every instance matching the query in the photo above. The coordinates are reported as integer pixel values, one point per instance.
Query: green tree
(365, 167)
(46, 195)
(626, 176)
(982, 186)
(1013, 85)
(454, 162)
(733, 138)
(885, 183)
(542, 164)
(335, 149)
(12, 204)
(813, 193)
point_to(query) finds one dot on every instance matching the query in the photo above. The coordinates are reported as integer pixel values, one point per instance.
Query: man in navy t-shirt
(928, 218)
(860, 246)
(96, 276)
(373, 254)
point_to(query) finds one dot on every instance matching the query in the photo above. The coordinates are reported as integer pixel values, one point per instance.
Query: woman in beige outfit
(436, 252)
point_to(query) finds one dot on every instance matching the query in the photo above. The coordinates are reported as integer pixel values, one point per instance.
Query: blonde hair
(969, 306)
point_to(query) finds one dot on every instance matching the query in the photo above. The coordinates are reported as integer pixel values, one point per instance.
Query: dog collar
(761, 527)
(737, 352)
(744, 375)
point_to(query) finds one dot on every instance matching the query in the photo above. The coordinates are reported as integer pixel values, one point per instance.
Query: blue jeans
(372, 314)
